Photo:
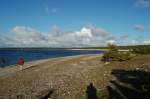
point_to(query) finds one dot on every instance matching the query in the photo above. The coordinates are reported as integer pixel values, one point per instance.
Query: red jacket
(21, 61)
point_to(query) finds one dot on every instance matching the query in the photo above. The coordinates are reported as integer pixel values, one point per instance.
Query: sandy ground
(63, 78)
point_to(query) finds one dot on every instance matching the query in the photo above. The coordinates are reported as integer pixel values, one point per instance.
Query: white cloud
(134, 42)
(85, 32)
(98, 31)
(29, 37)
(111, 42)
(23, 33)
(77, 38)
(142, 3)
(140, 42)
(87, 36)
(139, 27)
(146, 42)
(25, 36)
(84, 37)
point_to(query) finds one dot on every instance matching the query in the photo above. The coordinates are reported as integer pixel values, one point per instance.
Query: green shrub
(142, 49)
(123, 56)
(114, 55)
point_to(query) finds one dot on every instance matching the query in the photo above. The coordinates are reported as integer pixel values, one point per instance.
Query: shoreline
(57, 73)
(4, 61)
(15, 68)
(51, 58)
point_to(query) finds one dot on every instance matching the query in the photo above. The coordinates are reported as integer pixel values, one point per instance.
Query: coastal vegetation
(142, 49)
(113, 54)
(123, 53)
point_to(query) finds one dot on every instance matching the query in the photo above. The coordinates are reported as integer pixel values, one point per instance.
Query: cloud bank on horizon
(88, 36)
(74, 23)
(28, 37)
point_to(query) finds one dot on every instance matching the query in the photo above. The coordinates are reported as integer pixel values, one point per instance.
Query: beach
(43, 75)
(61, 78)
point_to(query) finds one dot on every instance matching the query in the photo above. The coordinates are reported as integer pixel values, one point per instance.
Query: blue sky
(73, 23)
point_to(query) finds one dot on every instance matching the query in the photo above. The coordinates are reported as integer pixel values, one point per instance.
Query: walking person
(21, 63)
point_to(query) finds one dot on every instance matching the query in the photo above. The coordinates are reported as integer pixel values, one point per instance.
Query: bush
(114, 55)
(124, 56)
(141, 49)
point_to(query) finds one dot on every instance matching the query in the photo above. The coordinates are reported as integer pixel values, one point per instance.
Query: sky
(74, 23)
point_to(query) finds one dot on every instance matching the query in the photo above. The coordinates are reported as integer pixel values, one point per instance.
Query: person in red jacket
(21, 63)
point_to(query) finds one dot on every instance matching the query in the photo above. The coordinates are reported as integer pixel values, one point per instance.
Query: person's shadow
(91, 92)
(129, 84)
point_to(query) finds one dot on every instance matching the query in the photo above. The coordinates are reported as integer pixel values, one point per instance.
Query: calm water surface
(10, 57)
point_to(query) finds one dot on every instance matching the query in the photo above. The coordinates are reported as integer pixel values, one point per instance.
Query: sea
(10, 57)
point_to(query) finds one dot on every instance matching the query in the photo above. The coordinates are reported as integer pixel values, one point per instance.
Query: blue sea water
(10, 57)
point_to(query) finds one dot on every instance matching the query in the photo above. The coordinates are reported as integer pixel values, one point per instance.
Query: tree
(113, 54)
